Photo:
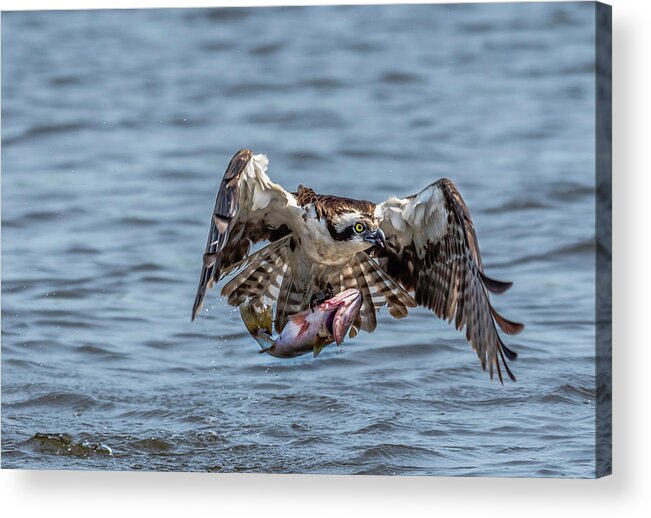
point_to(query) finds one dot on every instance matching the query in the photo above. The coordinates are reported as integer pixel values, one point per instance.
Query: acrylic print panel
(117, 127)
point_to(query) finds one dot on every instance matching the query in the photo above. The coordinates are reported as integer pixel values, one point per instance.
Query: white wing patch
(249, 208)
(416, 219)
(432, 251)
(258, 187)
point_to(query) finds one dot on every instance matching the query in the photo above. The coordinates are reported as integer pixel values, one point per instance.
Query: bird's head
(357, 228)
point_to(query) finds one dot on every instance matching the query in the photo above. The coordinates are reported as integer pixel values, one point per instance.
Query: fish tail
(258, 323)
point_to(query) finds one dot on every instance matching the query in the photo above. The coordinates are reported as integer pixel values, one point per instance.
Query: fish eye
(359, 227)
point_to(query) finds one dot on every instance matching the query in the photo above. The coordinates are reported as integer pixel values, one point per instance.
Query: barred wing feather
(249, 208)
(432, 252)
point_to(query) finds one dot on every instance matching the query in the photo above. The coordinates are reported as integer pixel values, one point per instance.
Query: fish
(308, 331)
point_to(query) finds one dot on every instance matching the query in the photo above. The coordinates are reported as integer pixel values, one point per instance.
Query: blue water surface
(116, 129)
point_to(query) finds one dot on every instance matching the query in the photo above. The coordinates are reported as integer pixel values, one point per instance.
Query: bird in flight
(420, 250)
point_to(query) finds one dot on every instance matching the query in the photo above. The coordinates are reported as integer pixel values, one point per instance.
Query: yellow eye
(359, 228)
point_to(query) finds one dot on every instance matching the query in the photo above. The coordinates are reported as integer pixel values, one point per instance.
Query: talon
(315, 300)
(318, 298)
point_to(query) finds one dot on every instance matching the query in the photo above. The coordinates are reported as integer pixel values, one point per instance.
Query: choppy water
(116, 129)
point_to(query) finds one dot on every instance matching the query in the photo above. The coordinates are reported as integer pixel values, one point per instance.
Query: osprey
(418, 250)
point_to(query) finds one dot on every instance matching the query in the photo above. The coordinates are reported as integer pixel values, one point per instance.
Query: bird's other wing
(432, 251)
(249, 208)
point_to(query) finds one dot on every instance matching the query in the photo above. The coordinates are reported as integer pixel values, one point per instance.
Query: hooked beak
(376, 237)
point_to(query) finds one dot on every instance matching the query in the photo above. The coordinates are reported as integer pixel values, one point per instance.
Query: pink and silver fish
(308, 331)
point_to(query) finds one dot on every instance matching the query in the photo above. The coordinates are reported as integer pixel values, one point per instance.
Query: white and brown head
(353, 222)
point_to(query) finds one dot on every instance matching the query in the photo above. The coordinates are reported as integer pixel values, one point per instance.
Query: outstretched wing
(432, 251)
(249, 208)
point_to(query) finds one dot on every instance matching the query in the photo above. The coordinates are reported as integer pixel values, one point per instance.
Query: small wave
(380, 426)
(571, 191)
(94, 350)
(146, 267)
(152, 445)
(160, 344)
(180, 174)
(587, 246)
(314, 402)
(64, 444)
(158, 279)
(398, 77)
(18, 362)
(311, 440)
(270, 386)
(151, 413)
(477, 27)
(208, 438)
(554, 399)
(219, 14)
(55, 312)
(396, 384)
(372, 152)
(137, 221)
(252, 88)
(569, 394)
(266, 49)
(186, 152)
(68, 324)
(435, 433)
(57, 399)
(306, 119)
(217, 46)
(518, 449)
(587, 67)
(396, 452)
(516, 205)
(45, 216)
(82, 250)
(507, 44)
(201, 336)
(413, 350)
(45, 130)
(578, 390)
(549, 473)
(66, 80)
(362, 47)
(323, 83)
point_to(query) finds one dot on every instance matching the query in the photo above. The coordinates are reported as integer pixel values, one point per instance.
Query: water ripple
(109, 171)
